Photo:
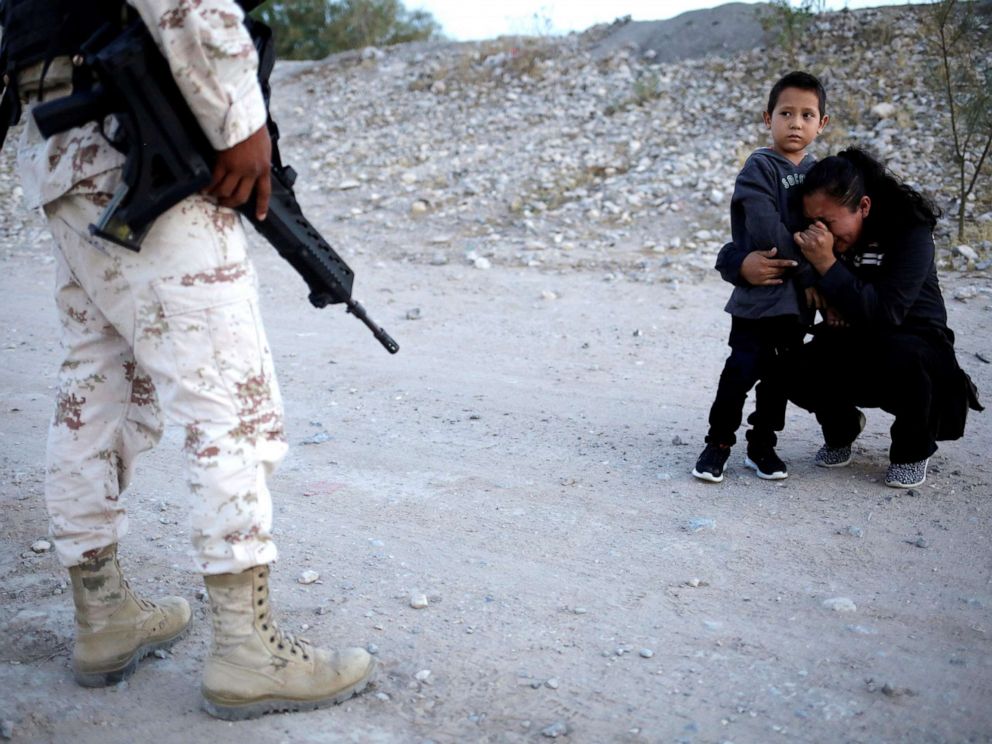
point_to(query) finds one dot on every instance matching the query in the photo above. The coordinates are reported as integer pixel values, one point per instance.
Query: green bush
(312, 29)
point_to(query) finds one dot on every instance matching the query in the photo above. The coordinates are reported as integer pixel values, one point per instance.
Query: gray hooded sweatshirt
(764, 213)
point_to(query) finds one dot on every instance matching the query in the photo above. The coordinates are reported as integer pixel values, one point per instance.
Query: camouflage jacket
(214, 63)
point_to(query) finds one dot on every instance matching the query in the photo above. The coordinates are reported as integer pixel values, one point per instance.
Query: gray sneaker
(906, 475)
(837, 457)
(833, 457)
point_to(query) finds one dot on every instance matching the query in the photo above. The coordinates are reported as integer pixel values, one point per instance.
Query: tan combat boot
(115, 629)
(254, 668)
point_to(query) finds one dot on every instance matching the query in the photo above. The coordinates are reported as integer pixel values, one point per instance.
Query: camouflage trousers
(172, 333)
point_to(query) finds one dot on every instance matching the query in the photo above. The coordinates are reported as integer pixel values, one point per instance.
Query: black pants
(908, 374)
(757, 350)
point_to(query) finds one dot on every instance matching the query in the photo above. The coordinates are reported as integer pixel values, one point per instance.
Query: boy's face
(795, 122)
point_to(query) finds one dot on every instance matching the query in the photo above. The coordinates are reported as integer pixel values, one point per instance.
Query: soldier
(171, 332)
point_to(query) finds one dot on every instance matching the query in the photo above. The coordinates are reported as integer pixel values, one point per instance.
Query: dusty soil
(524, 462)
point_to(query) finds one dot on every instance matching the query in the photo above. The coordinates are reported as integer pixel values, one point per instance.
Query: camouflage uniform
(174, 329)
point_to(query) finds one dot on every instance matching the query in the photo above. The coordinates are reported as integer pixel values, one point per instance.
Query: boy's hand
(762, 269)
(241, 169)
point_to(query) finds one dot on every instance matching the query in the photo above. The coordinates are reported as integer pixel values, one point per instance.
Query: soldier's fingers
(239, 195)
(224, 187)
(263, 190)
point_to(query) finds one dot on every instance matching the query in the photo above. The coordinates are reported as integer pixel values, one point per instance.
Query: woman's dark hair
(853, 173)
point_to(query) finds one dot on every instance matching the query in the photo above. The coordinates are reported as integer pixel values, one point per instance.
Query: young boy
(767, 320)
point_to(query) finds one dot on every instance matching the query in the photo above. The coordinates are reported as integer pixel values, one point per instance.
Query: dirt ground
(524, 463)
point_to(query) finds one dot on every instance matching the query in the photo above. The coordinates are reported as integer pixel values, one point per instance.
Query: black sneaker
(764, 462)
(709, 466)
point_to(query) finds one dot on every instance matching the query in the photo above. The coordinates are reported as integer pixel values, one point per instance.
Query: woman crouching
(886, 343)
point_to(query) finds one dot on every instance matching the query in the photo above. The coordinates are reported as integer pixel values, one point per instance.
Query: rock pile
(548, 152)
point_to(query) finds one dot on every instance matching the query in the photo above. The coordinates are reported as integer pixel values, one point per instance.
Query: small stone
(840, 604)
(482, 263)
(419, 207)
(160, 653)
(308, 577)
(694, 582)
(551, 683)
(556, 729)
(852, 531)
(418, 601)
(549, 295)
(439, 259)
(349, 184)
(41, 546)
(921, 542)
(862, 629)
(383, 697)
(422, 676)
(413, 313)
(646, 653)
(677, 441)
(966, 251)
(6, 729)
(699, 523)
(580, 610)
(372, 649)
(883, 110)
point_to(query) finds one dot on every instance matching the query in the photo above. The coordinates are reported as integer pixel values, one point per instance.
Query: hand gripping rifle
(169, 158)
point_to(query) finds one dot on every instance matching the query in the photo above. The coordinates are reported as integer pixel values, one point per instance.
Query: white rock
(883, 110)
(482, 263)
(419, 601)
(423, 675)
(840, 604)
(41, 546)
(349, 184)
(966, 251)
(308, 577)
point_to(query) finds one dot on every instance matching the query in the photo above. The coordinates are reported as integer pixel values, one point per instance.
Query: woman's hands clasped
(817, 244)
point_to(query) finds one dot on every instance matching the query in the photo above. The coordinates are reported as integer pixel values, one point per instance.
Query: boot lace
(282, 639)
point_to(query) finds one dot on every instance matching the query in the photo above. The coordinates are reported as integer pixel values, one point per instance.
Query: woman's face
(844, 223)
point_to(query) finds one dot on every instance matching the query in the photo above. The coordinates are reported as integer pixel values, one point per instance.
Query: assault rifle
(169, 158)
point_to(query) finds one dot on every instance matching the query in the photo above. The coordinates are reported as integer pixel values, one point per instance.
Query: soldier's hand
(761, 268)
(242, 169)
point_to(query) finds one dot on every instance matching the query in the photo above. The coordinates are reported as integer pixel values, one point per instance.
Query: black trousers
(909, 374)
(757, 350)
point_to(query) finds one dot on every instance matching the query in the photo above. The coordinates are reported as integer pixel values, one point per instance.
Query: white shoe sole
(897, 484)
(777, 475)
(709, 477)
